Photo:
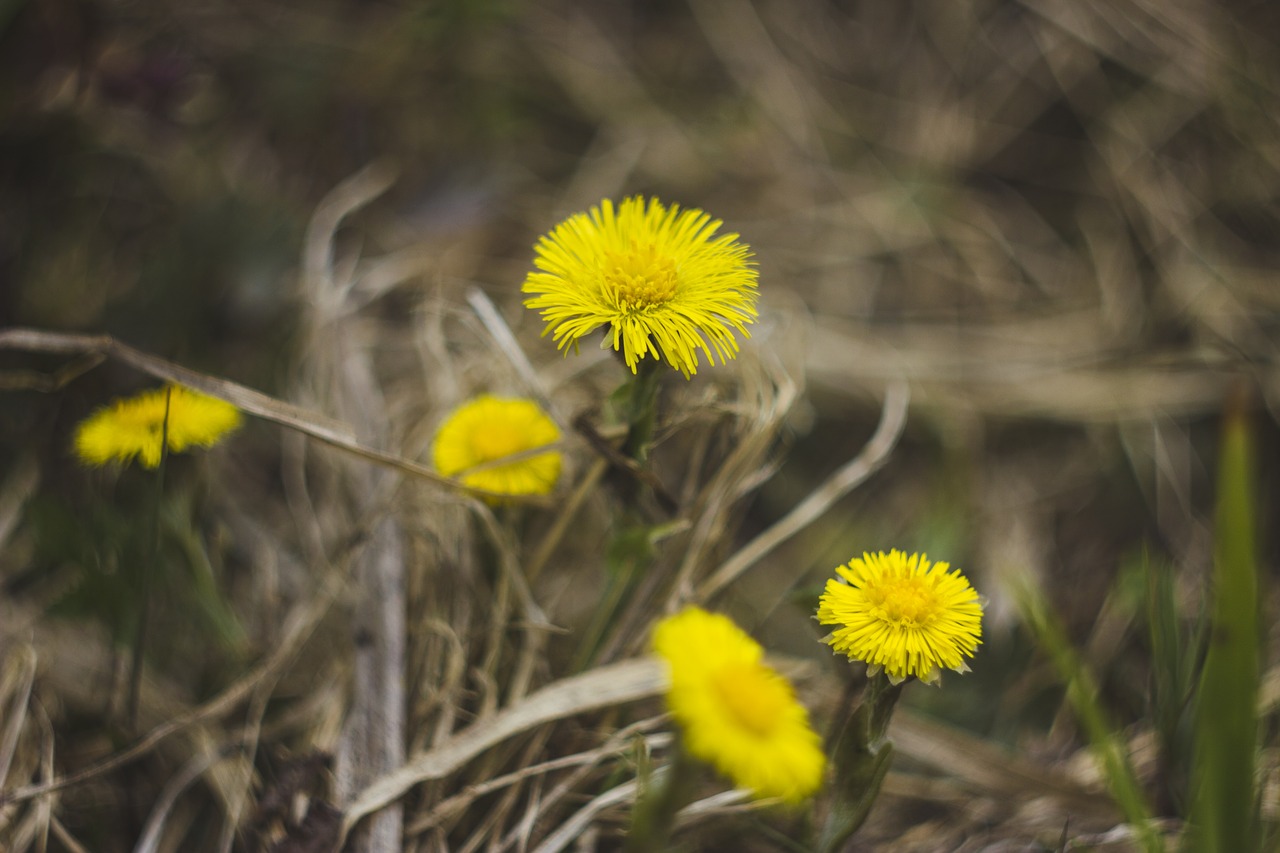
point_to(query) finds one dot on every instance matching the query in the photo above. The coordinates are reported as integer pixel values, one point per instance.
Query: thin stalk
(615, 592)
(148, 569)
(642, 410)
(862, 756)
(631, 551)
(655, 812)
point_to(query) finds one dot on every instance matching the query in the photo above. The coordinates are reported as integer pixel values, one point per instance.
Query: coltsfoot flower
(902, 614)
(133, 427)
(736, 713)
(479, 434)
(657, 276)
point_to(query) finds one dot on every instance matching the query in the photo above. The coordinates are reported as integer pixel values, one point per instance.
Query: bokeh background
(1055, 221)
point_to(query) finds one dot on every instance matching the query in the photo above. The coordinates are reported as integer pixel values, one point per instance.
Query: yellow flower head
(477, 435)
(133, 427)
(902, 615)
(736, 713)
(657, 275)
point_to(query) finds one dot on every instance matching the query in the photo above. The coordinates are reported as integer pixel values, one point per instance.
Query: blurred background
(1055, 220)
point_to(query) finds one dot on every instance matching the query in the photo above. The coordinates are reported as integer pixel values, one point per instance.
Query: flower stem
(861, 757)
(148, 569)
(655, 812)
(631, 550)
(641, 409)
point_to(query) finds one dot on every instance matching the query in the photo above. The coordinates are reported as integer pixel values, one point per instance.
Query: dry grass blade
(18, 487)
(510, 347)
(18, 683)
(296, 632)
(734, 801)
(577, 824)
(152, 833)
(768, 393)
(28, 380)
(892, 420)
(535, 624)
(338, 371)
(334, 433)
(742, 41)
(565, 518)
(625, 738)
(462, 799)
(318, 258)
(65, 838)
(987, 768)
(35, 825)
(243, 398)
(600, 688)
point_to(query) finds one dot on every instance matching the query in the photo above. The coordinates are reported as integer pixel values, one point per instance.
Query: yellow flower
(902, 615)
(477, 435)
(736, 713)
(133, 427)
(656, 275)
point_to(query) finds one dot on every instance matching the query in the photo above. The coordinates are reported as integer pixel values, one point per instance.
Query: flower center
(753, 695)
(495, 441)
(905, 601)
(641, 278)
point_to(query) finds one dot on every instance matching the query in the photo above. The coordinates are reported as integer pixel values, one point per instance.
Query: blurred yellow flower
(736, 713)
(472, 442)
(656, 275)
(901, 614)
(133, 427)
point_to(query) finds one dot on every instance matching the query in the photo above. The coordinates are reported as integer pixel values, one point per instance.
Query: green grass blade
(1223, 811)
(1174, 656)
(1083, 695)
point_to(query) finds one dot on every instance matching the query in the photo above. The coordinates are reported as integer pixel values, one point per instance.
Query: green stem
(619, 584)
(862, 756)
(642, 409)
(631, 551)
(882, 695)
(655, 813)
(148, 570)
